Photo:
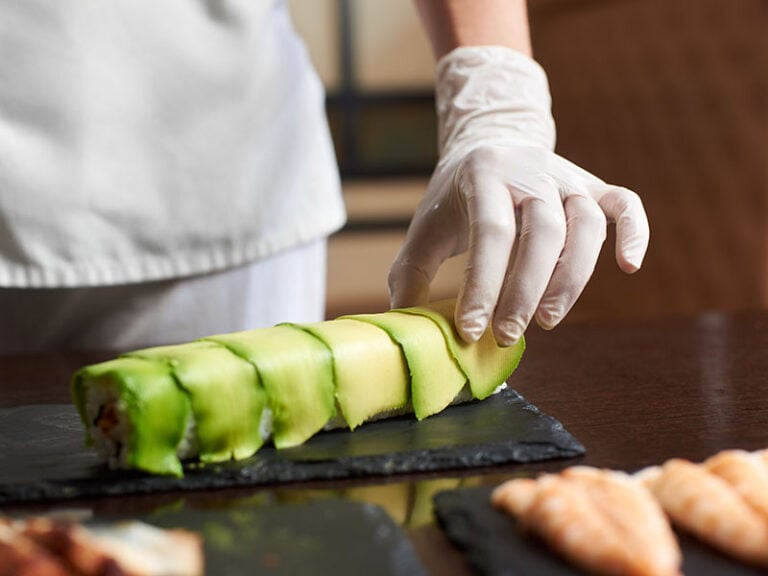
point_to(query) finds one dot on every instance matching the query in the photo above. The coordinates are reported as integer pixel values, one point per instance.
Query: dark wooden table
(633, 394)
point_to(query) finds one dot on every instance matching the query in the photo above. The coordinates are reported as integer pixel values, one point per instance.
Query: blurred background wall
(667, 97)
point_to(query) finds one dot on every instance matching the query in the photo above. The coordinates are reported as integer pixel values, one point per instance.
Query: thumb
(408, 285)
(416, 264)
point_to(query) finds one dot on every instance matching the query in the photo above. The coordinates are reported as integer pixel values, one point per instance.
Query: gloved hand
(533, 222)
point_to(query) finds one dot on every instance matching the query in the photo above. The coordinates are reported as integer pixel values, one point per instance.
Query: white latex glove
(533, 222)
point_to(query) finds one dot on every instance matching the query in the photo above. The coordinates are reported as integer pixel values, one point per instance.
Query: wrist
(492, 95)
(454, 23)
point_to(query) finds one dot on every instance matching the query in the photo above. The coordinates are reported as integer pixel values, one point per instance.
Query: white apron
(146, 140)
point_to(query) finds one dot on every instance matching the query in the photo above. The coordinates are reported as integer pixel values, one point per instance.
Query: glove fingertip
(548, 320)
(469, 333)
(471, 321)
(630, 253)
(629, 266)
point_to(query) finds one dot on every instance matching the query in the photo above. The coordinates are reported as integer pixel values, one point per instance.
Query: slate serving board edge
(544, 438)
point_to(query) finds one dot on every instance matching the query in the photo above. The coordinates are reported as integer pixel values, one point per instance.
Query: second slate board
(495, 546)
(324, 537)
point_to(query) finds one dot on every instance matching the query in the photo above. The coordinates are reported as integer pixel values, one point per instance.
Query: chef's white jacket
(153, 139)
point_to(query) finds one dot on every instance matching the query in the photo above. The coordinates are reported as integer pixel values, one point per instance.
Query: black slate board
(495, 546)
(323, 537)
(43, 457)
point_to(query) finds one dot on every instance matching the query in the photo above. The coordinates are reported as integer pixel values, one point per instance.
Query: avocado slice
(436, 378)
(369, 368)
(486, 364)
(296, 372)
(157, 409)
(225, 394)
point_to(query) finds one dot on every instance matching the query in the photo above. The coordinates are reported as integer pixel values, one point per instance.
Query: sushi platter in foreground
(680, 517)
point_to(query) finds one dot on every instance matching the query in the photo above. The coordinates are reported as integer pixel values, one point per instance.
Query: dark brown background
(668, 97)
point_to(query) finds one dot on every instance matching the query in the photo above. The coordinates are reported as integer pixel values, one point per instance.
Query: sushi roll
(225, 396)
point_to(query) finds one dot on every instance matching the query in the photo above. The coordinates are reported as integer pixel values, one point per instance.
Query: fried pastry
(601, 520)
(747, 473)
(708, 506)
